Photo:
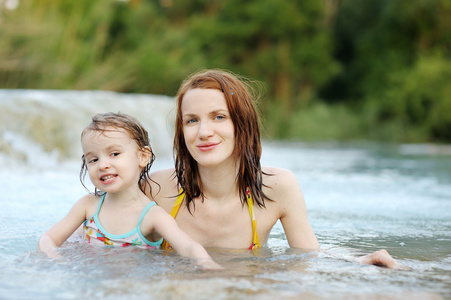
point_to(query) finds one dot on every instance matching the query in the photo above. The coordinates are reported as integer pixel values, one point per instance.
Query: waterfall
(41, 128)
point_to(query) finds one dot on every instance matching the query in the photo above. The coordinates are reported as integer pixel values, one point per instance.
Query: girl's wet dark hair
(135, 131)
(238, 95)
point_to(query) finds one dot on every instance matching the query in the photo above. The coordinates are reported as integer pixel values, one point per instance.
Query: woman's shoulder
(278, 176)
(279, 182)
(164, 184)
(164, 175)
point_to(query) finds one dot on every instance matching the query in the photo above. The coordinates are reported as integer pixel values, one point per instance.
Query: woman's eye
(190, 121)
(220, 117)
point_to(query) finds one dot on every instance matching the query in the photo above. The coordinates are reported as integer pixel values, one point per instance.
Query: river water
(360, 197)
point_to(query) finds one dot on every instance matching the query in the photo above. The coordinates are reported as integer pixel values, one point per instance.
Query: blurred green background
(331, 69)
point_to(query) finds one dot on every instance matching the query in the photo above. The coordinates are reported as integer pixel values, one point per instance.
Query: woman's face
(207, 127)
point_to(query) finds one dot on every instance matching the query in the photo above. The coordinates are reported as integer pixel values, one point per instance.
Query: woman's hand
(382, 258)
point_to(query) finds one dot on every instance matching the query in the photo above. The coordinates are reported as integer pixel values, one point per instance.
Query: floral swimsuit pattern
(94, 233)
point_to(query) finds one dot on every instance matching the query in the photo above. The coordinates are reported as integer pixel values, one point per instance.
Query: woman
(225, 198)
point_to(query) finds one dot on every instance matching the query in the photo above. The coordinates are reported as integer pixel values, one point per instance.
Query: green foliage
(279, 42)
(318, 122)
(395, 64)
(418, 99)
(350, 69)
(91, 45)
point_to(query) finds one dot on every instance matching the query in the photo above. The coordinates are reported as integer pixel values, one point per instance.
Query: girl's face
(207, 127)
(113, 160)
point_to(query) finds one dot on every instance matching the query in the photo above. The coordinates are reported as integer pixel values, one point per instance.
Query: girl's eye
(220, 117)
(92, 160)
(115, 154)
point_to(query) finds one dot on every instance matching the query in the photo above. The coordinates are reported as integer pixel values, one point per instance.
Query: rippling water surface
(360, 197)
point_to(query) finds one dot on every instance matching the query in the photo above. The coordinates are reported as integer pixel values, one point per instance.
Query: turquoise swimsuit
(95, 234)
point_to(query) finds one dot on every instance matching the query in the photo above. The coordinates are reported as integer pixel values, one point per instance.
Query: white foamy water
(42, 128)
(360, 197)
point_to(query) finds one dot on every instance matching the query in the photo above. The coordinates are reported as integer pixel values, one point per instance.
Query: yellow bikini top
(250, 204)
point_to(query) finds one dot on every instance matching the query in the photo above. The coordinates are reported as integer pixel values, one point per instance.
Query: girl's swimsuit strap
(100, 204)
(145, 210)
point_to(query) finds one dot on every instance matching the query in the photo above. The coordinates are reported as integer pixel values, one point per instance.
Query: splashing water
(360, 197)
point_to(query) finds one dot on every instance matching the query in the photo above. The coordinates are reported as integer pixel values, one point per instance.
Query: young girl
(117, 155)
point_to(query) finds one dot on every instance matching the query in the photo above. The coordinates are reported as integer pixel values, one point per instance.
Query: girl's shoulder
(89, 203)
(90, 198)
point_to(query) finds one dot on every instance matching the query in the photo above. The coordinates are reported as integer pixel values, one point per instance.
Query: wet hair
(135, 131)
(238, 96)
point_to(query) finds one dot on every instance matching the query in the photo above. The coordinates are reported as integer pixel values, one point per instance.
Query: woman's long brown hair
(237, 93)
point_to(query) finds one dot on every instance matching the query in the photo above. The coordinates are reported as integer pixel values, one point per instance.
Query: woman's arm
(293, 215)
(292, 210)
(62, 230)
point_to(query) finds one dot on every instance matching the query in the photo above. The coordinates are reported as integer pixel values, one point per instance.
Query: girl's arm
(62, 230)
(181, 242)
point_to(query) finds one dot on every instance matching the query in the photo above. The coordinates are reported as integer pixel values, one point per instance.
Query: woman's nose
(205, 129)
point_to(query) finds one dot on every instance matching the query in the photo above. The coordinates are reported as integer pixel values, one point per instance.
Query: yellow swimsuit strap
(174, 211)
(250, 204)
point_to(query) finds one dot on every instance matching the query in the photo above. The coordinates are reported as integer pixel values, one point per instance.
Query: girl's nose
(104, 164)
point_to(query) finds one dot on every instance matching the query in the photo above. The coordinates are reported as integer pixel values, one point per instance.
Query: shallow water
(360, 197)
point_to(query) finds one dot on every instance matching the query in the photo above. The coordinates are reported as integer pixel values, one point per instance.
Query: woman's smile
(207, 146)
(207, 127)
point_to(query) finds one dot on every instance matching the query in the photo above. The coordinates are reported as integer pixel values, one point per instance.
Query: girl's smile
(108, 178)
(110, 157)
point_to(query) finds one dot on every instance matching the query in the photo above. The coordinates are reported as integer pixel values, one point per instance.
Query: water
(360, 197)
